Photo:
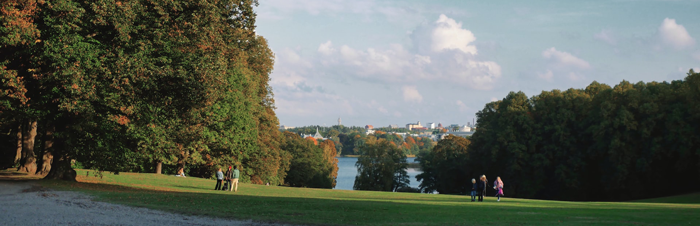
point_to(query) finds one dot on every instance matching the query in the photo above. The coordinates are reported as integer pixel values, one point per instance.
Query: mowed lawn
(195, 196)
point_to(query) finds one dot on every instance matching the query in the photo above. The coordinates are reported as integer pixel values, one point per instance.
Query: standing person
(498, 185)
(483, 182)
(234, 179)
(474, 187)
(219, 179)
(229, 177)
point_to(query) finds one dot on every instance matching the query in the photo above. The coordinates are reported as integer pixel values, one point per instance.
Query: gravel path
(24, 203)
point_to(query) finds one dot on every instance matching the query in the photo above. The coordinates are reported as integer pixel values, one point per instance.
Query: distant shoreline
(357, 156)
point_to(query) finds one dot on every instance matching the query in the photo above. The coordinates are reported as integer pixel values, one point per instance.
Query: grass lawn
(196, 196)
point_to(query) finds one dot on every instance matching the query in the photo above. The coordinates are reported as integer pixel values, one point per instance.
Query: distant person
(498, 185)
(474, 187)
(481, 188)
(234, 179)
(181, 173)
(219, 179)
(229, 177)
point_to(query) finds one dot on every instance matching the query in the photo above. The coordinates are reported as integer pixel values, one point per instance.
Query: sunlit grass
(321, 206)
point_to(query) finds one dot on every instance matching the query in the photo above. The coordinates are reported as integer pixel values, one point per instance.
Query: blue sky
(396, 62)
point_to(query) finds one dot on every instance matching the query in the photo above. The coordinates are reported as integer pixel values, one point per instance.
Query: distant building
(454, 128)
(339, 121)
(315, 136)
(465, 128)
(369, 131)
(431, 125)
(283, 127)
(440, 126)
(459, 134)
(394, 126)
(419, 129)
(369, 127)
(410, 126)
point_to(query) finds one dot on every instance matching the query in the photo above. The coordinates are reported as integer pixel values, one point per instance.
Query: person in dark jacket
(229, 178)
(482, 187)
(474, 187)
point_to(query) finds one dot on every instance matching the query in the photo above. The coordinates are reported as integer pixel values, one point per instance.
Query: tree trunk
(28, 161)
(159, 167)
(47, 156)
(18, 156)
(60, 166)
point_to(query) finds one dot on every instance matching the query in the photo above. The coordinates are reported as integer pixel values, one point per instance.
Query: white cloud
(411, 94)
(675, 35)
(563, 63)
(606, 36)
(443, 53)
(565, 59)
(462, 107)
(326, 48)
(547, 75)
(448, 34)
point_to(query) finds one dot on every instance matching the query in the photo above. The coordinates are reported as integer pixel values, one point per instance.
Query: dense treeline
(135, 85)
(599, 143)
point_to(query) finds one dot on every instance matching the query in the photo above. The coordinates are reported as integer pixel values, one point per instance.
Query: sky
(372, 62)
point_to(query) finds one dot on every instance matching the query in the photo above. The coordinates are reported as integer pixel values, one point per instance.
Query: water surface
(347, 172)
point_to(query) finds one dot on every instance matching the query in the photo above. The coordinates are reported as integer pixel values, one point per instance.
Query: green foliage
(381, 167)
(308, 167)
(127, 84)
(597, 143)
(443, 168)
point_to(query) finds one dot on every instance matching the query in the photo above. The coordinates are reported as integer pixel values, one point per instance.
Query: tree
(129, 86)
(308, 168)
(381, 167)
(329, 155)
(445, 168)
(565, 145)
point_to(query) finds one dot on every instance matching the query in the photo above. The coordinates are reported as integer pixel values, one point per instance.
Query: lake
(347, 172)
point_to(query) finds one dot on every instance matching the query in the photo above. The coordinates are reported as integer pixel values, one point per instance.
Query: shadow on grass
(316, 210)
(12, 174)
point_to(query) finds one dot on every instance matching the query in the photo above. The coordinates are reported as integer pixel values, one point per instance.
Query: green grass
(196, 196)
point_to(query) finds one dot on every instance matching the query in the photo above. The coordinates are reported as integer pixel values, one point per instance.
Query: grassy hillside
(319, 206)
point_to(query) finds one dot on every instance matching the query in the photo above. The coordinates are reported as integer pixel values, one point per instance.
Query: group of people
(479, 188)
(231, 178)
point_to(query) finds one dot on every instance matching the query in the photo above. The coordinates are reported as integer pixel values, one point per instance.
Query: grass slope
(320, 206)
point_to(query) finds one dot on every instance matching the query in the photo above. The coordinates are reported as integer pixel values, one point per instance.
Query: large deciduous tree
(381, 167)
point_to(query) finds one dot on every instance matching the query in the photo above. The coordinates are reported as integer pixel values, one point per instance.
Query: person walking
(481, 188)
(234, 179)
(228, 178)
(474, 187)
(219, 179)
(498, 185)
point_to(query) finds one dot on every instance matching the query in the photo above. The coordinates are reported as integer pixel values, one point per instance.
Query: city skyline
(372, 62)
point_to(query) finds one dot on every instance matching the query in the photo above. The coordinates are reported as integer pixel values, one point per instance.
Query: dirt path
(24, 203)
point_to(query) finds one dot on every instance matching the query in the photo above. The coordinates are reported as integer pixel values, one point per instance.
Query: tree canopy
(597, 143)
(129, 85)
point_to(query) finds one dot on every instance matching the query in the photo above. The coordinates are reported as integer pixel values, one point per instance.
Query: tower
(339, 121)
